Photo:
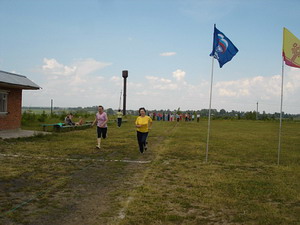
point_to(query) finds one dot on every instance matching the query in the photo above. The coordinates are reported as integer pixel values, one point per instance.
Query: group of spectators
(174, 117)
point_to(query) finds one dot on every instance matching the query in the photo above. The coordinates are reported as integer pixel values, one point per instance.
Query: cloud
(84, 83)
(53, 67)
(225, 92)
(292, 79)
(265, 90)
(241, 94)
(88, 66)
(167, 53)
(161, 83)
(116, 79)
(259, 86)
(153, 79)
(179, 74)
(77, 84)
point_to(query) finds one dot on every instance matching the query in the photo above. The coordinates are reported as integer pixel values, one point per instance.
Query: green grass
(240, 184)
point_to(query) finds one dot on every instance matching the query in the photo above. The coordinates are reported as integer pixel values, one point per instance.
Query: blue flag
(223, 48)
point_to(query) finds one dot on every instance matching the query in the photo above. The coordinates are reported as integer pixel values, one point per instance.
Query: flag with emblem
(291, 49)
(223, 48)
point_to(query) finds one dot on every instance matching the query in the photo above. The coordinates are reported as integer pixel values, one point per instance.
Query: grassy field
(62, 179)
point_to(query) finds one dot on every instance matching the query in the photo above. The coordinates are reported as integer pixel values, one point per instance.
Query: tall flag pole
(223, 50)
(280, 120)
(209, 111)
(291, 57)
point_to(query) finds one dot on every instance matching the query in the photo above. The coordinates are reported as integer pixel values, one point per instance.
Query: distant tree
(204, 112)
(42, 117)
(28, 117)
(223, 112)
(110, 111)
(250, 115)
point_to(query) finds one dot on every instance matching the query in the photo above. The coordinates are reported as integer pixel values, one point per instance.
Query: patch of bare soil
(93, 196)
(96, 193)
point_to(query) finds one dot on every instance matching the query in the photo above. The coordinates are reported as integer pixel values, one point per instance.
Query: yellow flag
(291, 49)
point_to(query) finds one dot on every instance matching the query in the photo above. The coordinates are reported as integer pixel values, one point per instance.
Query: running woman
(143, 123)
(101, 119)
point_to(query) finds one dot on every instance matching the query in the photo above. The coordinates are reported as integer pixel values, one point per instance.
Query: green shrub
(42, 117)
(28, 117)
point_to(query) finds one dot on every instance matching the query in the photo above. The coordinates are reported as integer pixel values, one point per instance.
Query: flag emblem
(223, 44)
(291, 49)
(223, 48)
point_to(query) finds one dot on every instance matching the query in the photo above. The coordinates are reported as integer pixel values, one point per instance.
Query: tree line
(41, 113)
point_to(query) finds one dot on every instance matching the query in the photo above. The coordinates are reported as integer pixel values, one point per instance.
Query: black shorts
(101, 132)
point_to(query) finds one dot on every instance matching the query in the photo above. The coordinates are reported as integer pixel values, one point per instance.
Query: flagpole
(223, 51)
(280, 120)
(209, 111)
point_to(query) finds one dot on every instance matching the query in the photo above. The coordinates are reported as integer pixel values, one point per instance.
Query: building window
(3, 102)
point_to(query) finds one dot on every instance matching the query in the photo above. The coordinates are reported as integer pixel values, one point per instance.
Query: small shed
(11, 86)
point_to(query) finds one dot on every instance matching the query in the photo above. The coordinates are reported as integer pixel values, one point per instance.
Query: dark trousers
(101, 132)
(119, 122)
(141, 137)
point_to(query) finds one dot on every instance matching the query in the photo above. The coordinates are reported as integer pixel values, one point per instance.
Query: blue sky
(76, 51)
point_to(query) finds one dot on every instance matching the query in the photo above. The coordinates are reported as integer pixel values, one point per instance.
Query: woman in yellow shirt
(143, 124)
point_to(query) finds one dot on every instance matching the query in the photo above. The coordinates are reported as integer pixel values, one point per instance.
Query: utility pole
(124, 75)
(256, 110)
(51, 107)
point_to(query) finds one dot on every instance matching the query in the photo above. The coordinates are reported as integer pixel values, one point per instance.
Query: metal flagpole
(209, 111)
(280, 121)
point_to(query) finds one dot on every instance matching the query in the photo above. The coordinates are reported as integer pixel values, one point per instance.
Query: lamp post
(124, 75)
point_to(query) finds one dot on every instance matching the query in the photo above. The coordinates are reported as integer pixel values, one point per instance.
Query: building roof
(16, 81)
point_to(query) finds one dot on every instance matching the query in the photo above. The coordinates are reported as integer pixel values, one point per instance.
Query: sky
(76, 50)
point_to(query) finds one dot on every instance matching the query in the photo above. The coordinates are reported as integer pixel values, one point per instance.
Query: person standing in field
(198, 118)
(119, 117)
(101, 119)
(143, 124)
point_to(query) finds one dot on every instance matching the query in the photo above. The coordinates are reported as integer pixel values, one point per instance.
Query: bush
(42, 117)
(28, 117)
(62, 117)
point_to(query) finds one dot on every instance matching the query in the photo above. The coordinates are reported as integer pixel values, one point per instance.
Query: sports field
(62, 178)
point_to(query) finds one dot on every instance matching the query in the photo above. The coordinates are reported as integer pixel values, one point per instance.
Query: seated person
(68, 120)
(80, 122)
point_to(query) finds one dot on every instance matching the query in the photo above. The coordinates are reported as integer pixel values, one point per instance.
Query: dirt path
(97, 193)
(94, 195)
